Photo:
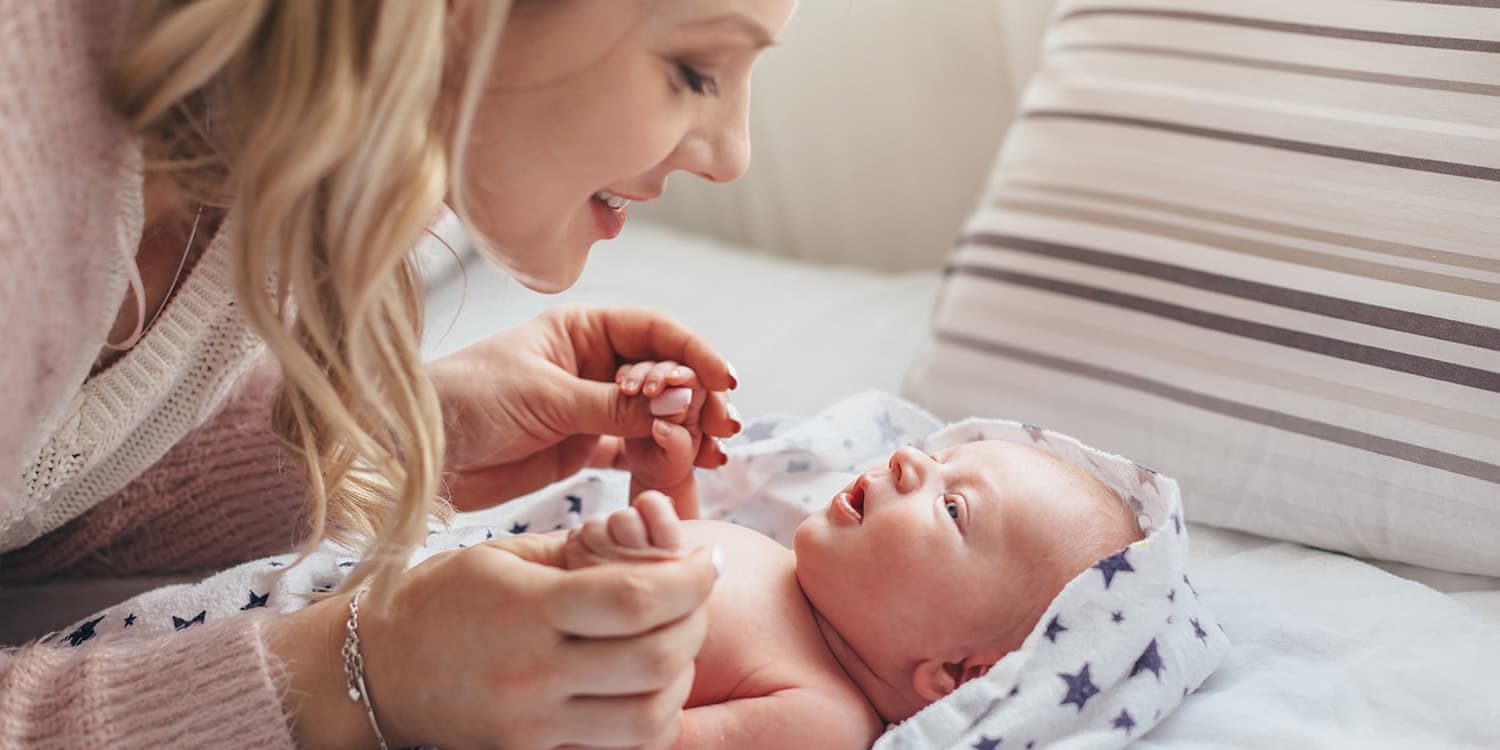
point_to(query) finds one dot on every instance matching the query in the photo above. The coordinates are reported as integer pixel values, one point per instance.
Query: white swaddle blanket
(1118, 649)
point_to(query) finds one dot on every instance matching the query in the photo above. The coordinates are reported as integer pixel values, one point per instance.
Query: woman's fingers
(647, 663)
(719, 417)
(603, 337)
(616, 600)
(629, 720)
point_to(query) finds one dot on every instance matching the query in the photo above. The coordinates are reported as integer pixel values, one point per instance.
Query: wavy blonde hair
(328, 132)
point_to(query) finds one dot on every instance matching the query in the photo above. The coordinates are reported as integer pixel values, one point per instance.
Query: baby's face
(951, 556)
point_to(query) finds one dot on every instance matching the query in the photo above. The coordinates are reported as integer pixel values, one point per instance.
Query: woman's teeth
(615, 202)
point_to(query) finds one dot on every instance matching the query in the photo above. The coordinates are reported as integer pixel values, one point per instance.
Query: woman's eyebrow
(759, 37)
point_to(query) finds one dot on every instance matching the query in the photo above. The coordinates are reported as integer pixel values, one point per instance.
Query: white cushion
(1257, 246)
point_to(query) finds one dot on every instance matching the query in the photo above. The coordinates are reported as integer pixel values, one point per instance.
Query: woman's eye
(699, 82)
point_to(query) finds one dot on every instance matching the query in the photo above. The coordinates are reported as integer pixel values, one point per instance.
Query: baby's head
(932, 568)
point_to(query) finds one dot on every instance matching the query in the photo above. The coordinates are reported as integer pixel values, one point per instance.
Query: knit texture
(164, 461)
(207, 686)
(224, 494)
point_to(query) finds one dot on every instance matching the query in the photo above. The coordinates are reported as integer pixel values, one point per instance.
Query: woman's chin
(551, 278)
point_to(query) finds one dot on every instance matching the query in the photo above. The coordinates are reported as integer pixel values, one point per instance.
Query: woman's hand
(496, 646)
(528, 407)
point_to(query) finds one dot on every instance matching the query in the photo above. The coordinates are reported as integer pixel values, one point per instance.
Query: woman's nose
(909, 468)
(718, 151)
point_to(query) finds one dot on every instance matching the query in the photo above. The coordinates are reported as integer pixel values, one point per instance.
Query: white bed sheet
(1328, 651)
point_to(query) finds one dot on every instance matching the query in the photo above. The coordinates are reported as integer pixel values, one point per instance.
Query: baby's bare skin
(765, 678)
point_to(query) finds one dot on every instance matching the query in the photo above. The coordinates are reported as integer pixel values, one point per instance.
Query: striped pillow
(1256, 245)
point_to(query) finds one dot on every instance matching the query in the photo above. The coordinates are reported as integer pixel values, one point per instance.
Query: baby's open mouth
(852, 500)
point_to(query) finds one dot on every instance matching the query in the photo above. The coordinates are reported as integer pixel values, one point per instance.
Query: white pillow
(1258, 246)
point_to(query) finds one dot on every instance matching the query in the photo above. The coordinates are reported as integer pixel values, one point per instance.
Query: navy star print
(1118, 617)
(1199, 632)
(519, 528)
(256, 601)
(985, 743)
(575, 504)
(1053, 629)
(180, 624)
(1113, 564)
(84, 632)
(130, 620)
(1148, 660)
(1123, 721)
(1080, 688)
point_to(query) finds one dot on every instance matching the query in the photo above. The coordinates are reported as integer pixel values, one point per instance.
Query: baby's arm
(794, 717)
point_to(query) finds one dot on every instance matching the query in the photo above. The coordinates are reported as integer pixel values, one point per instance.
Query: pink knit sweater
(69, 196)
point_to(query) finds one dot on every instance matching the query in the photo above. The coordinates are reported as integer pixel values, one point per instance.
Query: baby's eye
(950, 503)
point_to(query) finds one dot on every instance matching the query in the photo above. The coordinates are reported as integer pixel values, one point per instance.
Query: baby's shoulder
(762, 637)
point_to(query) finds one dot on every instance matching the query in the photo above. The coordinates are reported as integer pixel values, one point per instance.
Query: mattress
(1327, 650)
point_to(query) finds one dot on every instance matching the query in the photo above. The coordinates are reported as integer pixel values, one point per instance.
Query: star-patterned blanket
(1119, 648)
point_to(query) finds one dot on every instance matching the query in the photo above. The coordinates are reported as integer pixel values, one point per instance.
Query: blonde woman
(211, 333)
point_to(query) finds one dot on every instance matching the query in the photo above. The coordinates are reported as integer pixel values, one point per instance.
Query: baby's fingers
(662, 525)
(664, 374)
(630, 377)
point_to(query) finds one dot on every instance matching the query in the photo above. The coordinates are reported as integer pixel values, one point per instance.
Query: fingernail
(661, 428)
(717, 558)
(734, 416)
(631, 384)
(676, 373)
(734, 375)
(671, 401)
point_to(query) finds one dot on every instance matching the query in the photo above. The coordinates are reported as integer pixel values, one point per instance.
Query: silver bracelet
(354, 667)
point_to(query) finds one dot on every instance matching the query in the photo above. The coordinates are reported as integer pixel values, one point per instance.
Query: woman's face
(597, 99)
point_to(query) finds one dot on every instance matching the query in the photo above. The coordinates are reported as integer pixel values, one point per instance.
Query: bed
(1327, 651)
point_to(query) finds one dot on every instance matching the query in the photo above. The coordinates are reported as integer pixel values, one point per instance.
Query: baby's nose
(907, 465)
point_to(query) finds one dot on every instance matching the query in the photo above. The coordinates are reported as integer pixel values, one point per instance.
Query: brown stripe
(1396, 449)
(1435, 166)
(1419, 324)
(1383, 247)
(1456, 285)
(1412, 364)
(1437, 84)
(1492, 4)
(1049, 325)
(1364, 35)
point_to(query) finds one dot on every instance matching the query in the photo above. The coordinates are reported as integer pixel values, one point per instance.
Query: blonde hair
(325, 130)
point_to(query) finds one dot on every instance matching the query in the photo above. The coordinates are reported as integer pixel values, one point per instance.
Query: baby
(916, 578)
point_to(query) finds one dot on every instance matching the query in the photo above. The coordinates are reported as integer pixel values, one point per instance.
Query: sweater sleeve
(227, 493)
(214, 685)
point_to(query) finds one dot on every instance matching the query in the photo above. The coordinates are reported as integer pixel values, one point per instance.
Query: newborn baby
(917, 577)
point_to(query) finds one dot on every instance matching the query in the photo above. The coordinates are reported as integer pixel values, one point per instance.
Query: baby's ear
(934, 679)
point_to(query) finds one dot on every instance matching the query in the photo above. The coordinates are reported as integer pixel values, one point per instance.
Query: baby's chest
(761, 634)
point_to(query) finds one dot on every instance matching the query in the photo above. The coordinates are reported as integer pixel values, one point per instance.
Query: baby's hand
(664, 461)
(647, 530)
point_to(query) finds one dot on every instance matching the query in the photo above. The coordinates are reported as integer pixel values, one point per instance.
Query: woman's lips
(609, 221)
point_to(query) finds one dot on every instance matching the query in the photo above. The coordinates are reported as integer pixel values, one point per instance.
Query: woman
(188, 180)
